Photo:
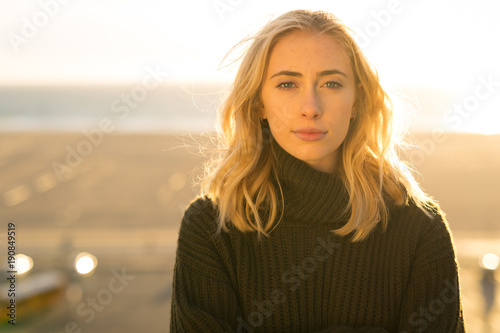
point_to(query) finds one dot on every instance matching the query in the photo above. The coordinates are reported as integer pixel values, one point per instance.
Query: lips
(309, 133)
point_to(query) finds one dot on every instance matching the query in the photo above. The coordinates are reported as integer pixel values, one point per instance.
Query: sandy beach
(121, 197)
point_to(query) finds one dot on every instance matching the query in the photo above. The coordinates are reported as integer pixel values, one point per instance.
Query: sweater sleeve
(432, 302)
(203, 299)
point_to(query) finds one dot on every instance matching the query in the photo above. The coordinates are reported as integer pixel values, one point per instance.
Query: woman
(309, 222)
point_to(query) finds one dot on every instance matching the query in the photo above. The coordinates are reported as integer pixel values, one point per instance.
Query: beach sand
(121, 197)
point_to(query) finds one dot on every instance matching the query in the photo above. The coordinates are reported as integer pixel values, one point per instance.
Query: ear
(263, 113)
(354, 110)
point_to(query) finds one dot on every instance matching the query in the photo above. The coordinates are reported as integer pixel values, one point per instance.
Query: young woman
(309, 222)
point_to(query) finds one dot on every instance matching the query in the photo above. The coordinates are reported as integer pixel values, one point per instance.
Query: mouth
(309, 133)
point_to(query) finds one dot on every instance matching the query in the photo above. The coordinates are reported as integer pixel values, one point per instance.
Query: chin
(310, 153)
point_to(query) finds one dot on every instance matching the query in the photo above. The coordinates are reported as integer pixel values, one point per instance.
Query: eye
(333, 84)
(286, 85)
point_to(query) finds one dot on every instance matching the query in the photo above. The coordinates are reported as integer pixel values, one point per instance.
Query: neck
(310, 194)
(326, 166)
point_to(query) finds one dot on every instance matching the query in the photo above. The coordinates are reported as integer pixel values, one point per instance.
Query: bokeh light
(85, 263)
(24, 263)
(490, 261)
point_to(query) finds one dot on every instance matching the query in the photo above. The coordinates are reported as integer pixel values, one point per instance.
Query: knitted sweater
(304, 278)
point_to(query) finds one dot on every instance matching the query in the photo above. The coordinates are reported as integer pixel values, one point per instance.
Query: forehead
(303, 50)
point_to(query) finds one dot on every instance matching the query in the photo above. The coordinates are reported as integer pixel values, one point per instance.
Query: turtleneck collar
(311, 196)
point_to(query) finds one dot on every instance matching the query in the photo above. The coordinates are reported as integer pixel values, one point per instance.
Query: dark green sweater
(304, 278)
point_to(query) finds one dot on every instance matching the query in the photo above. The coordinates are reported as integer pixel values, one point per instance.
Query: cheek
(341, 109)
(279, 117)
(276, 124)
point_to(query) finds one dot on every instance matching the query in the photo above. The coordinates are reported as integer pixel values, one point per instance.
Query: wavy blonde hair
(239, 182)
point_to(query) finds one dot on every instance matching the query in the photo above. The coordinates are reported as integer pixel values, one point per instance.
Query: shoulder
(200, 216)
(200, 244)
(429, 232)
(197, 231)
(201, 206)
(425, 218)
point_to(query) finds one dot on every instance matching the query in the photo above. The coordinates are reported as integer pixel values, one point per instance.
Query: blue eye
(286, 85)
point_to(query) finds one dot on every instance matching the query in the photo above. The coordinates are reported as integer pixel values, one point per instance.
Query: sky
(449, 44)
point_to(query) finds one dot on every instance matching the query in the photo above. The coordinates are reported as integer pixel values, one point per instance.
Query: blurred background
(102, 104)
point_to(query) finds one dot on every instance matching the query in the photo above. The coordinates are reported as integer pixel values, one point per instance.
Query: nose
(311, 106)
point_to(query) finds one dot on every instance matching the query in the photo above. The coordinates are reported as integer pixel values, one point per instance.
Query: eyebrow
(323, 73)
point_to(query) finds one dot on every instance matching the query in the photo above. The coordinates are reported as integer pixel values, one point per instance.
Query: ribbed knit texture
(304, 278)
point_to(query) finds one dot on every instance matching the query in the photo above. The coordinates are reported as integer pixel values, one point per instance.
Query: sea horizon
(185, 107)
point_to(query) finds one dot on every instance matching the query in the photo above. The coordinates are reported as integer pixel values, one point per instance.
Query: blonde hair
(239, 181)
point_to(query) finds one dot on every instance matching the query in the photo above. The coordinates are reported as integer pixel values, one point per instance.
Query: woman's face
(308, 94)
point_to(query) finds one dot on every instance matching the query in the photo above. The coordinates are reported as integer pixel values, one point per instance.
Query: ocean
(167, 108)
(173, 107)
